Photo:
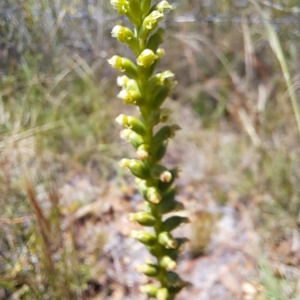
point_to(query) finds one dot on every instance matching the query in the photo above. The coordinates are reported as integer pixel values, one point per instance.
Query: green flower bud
(124, 65)
(150, 23)
(131, 137)
(124, 163)
(161, 79)
(167, 240)
(166, 207)
(129, 97)
(168, 263)
(143, 152)
(117, 63)
(122, 120)
(165, 176)
(122, 34)
(131, 93)
(125, 134)
(157, 170)
(138, 169)
(148, 206)
(171, 84)
(122, 81)
(132, 123)
(143, 218)
(161, 6)
(142, 187)
(145, 5)
(165, 133)
(164, 186)
(132, 85)
(125, 35)
(175, 252)
(143, 237)
(165, 75)
(161, 173)
(156, 39)
(173, 222)
(150, 290)
(146, 58)
(148, 269)
(160, 52)
(136, 125)
(120, 5)
(162, 294)
(153, 195)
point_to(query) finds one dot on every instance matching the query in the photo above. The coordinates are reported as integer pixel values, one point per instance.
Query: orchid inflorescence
(148, 90)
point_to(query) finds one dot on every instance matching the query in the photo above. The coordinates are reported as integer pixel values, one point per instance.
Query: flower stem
(155, 182)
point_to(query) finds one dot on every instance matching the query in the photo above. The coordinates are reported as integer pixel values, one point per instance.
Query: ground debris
(223, 271)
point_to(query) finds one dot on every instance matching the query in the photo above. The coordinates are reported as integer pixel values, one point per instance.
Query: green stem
(145, 112)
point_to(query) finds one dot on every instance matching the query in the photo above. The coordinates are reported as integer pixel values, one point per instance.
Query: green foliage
(49, 114)
(270, 282)
(148, 91)
(39, 260)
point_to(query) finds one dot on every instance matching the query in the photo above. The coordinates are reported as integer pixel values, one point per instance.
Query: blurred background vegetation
(58, 103)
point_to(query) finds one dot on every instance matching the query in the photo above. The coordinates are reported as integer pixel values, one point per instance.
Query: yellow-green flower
(161, 6)
(143, 218)
(123, 64)
(148, 269)
(122, 80)
(125, 35)
(162, 77)
(143, 152)
(120, 5)
(162, 294)
(132, 137)
(146, 58)
(153, 195)
(122, 120)
(116, 62)
(165, 176)
(168, 263)
(128, 96)
(149, 289)
(122, 34)
(160, 52)
(144, 237)
(124, 163)
(152, 20)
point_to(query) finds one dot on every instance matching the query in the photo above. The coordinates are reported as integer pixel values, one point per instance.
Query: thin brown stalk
(41, 221)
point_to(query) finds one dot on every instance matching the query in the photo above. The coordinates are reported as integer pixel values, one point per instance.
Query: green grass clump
(38, 259)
